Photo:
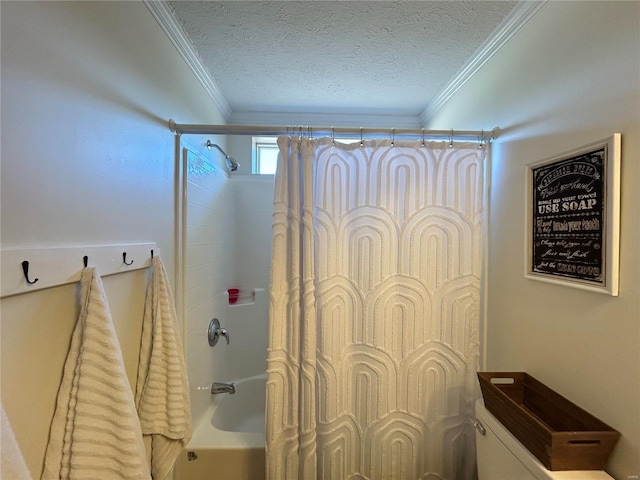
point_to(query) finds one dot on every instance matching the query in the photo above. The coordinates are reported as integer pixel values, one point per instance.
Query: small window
(265, 155)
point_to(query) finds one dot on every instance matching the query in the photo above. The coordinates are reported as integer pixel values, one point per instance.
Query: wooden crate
(557, 432)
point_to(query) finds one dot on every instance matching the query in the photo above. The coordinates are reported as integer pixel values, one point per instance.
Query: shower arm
(233, 163)
(209, 145)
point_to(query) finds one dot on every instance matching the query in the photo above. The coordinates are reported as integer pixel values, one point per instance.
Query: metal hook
(393, 136)
(333, 136)
(423, 137)
(85, 260)
(451, 139)
(361, 138)
(481, 140)
(151, 254)
(124, 259)
(25, 269)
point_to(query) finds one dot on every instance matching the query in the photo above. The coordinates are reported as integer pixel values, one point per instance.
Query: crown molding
(519, 16)
(325, 119)
(172, 29)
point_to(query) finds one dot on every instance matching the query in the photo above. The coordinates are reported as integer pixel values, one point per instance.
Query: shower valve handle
(215, 332)
(224, 333)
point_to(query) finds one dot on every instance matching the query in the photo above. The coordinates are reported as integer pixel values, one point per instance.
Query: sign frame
(572, 223)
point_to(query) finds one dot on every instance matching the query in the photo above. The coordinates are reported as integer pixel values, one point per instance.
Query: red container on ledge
(234, 293)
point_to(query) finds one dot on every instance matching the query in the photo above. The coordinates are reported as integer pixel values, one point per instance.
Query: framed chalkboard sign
(573, 221)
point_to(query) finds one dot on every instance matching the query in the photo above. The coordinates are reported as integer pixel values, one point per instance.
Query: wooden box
(558, 433)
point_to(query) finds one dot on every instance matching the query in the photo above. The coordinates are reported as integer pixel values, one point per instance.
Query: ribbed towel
(13, 465)
(95, 432)
(162, 389)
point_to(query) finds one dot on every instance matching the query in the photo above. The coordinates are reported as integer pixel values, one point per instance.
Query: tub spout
(219, 387)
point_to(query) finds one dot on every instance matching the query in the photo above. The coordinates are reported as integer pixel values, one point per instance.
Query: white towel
(162, 389)
(13, 466)
(95, 432)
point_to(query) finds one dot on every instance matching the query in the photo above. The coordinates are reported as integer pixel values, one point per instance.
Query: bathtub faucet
(219, 387)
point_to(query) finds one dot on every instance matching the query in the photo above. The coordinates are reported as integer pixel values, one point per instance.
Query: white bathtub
(228, 444)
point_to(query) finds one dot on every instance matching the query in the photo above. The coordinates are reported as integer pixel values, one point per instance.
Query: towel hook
(423, 137)
(361, 140)
(393, 136)
(333, 136)
(451, 139)
(25, 269)
(124, 259)
(152, 254)
(85, 260)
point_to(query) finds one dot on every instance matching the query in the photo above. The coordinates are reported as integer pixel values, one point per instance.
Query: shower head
(233, 163)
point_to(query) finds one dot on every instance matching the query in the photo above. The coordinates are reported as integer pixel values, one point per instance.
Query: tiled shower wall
(228, 244)
(208, 268)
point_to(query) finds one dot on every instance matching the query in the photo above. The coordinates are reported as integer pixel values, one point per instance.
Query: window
(265, 155)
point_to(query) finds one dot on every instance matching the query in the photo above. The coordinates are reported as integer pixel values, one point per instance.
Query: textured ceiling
(345, 57)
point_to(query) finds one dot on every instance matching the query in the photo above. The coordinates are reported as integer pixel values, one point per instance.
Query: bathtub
(228, 444)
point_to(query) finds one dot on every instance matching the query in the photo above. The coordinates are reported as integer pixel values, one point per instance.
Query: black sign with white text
(568, 217)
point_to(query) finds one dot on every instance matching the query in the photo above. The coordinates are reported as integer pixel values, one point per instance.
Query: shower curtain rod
(337, 132)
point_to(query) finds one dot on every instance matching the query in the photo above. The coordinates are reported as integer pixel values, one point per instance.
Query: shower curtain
(375, 292)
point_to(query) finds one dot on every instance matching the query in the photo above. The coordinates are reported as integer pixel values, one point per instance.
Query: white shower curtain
(375, 287)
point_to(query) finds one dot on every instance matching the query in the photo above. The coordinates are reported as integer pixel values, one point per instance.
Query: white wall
(571, 76)
(253, 198)
(87, 159)
(240, 147)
